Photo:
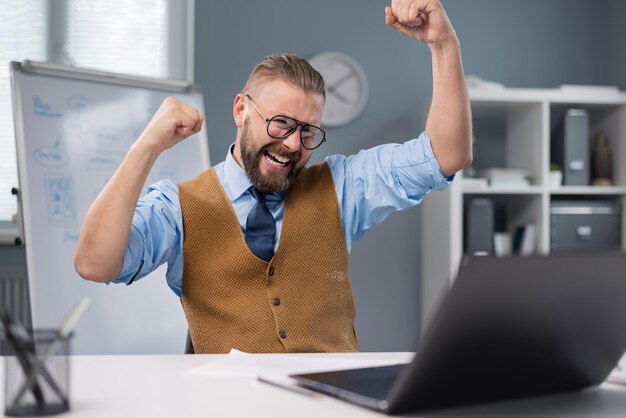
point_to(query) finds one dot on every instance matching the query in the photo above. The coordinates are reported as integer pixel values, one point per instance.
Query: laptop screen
(515, 327)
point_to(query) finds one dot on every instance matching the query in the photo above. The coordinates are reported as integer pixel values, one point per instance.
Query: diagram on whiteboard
(60, 199)
(73, 129)
(79, 139)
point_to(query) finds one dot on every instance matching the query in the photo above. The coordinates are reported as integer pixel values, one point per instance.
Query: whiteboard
(73, 128)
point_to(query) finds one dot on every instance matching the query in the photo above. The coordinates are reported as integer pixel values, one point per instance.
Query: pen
(66, 327)
(292, 388)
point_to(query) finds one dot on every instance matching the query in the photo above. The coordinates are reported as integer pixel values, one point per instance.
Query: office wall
(12, 256)
(612, 43)
(532, 43)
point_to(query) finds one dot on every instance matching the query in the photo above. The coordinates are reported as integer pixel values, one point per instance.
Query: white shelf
(503, 190)
(532, 190)
(505, 96)
(527, 132)
(568, 95)
(589, 190)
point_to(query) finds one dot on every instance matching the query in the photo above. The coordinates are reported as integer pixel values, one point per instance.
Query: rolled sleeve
(155, 235)
(379, 181)
(417, 168)
(133, 259)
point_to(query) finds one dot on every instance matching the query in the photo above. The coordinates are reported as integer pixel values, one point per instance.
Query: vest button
(276, 301)
(282, 334)
(271, 271)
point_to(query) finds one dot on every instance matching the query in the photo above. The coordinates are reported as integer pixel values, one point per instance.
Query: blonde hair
(287, 67)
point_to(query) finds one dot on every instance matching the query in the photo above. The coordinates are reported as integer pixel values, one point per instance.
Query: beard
(274, 181)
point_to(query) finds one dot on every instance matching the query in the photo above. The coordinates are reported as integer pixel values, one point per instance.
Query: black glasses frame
(290, 131)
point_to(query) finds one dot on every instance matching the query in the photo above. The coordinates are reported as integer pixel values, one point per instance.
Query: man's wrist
(451, 43)
(143, 155)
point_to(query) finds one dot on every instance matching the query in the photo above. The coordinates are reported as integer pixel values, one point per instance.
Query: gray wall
(612, 44)
(532, 43)
(12, 257)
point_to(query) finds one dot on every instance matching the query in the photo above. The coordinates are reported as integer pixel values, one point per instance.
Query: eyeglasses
(281, 126)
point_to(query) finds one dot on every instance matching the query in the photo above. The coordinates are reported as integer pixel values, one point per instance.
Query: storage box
(479, 226)
(585, 225)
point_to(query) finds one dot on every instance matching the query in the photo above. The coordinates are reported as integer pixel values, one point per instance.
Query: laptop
(508, 328)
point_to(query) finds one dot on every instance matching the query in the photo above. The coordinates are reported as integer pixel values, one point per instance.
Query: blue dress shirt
(370, 185)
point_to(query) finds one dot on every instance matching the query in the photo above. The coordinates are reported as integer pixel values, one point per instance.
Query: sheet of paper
(278, 366)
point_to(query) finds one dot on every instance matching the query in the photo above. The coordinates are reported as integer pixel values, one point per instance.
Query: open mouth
(276, 160)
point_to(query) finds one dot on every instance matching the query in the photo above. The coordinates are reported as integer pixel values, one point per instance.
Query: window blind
(129, 37)
(113, 35)
(23, 34)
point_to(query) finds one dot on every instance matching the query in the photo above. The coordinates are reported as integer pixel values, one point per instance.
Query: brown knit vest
(301, 301)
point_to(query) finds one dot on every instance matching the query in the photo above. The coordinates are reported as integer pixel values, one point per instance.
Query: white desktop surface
(158, 386)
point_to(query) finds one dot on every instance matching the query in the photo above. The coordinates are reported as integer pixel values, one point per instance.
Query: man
(257, 246)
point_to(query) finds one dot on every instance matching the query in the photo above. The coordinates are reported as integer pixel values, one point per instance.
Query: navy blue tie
(260, 228)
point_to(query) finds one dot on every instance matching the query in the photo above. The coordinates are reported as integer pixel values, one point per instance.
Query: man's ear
(238, 110)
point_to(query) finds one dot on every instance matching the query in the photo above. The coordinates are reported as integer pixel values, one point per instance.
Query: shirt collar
(236, 177)
(237, 181)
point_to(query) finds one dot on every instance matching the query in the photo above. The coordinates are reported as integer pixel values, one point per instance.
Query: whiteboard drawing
(79, 103)
(50, 156)
(163, 172)
(76, 125)
(60, 200)
(70, 237)
(143, 120)
(108, 138)
(74, 129)
(98, 161)
(42, 108)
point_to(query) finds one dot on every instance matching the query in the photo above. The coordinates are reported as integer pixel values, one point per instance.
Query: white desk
(156, 386)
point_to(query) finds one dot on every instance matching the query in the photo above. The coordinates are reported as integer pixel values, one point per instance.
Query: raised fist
(424, 20)
(172, 122)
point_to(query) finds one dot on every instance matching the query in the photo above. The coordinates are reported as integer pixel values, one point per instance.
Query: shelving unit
(529, 116)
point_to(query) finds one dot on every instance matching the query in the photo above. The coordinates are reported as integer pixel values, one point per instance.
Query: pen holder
(37, 379)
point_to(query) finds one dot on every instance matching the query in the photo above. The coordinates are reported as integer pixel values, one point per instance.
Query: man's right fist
(172, 122)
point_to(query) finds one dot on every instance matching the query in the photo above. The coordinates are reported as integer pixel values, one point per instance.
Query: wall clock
(346, 87)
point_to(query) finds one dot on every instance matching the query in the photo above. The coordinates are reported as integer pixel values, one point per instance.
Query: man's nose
(292, 142)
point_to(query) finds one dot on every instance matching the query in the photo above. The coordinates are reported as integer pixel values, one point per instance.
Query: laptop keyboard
(373, 382)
